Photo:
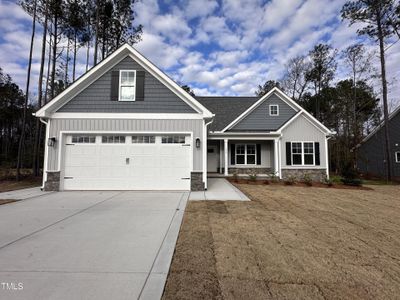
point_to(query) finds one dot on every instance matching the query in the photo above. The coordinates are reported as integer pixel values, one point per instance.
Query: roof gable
(288, 101)
(99, 70)
(96, 97)
(259, 118)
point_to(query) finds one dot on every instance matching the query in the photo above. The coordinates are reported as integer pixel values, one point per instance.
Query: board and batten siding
(372, 155)
(301, 130)
(260, 120)
(124, 125)
(96, 98)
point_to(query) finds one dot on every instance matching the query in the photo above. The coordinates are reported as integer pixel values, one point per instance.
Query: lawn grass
(290, 243)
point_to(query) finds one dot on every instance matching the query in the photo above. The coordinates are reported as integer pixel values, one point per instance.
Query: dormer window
(274, 110)
(127, 84)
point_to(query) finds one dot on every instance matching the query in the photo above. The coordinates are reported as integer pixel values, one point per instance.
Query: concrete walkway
(219, 189)
(89, 245)
(23, 193)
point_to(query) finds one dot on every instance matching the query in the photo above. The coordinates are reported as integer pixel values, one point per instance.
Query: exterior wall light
(51, 141)
(197, 142)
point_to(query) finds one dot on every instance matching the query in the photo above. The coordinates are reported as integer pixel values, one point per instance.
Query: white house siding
(123, 125)
(302, 130)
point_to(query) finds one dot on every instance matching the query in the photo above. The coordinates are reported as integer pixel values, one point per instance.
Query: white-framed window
(274, 110)
(173, 139)
(83, 139)
(113, 139)
(303, 153)
(397, 156)
(127, 85)
(143, 139)
(246, 154)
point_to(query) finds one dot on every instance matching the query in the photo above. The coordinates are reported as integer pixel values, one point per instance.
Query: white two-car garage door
(127, 162)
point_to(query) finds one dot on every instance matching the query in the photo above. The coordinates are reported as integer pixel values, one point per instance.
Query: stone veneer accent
(250, 170)
(298, 174)
(196, 181)
(53, 181)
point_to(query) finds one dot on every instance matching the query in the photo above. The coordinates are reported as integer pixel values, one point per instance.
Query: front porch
(243, 156)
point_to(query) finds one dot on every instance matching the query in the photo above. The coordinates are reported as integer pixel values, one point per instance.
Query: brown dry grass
(11, 185)
(290, 243)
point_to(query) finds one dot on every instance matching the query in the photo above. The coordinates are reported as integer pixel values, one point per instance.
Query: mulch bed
(301, 184)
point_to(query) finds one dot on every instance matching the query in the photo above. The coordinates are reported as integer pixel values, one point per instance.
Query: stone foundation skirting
(298, 174)
(250, 170)
(53, 181)
(196, 181)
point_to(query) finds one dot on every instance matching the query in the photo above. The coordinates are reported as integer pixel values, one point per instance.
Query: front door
(212, 159)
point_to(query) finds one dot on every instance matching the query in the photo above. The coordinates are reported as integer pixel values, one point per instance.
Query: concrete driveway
(89, 245)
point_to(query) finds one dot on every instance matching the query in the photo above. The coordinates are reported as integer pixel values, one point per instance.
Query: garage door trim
(61, 143)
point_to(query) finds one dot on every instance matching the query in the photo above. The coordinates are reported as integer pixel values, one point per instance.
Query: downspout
(327, 155)
(205, 151)
(46, 151)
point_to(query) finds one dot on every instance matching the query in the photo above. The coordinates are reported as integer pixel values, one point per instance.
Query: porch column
(226, 157)
(276, 157)
(221, 156)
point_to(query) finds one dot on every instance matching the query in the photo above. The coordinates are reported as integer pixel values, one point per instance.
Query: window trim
(245, 154)
(83, 136)
(302, 154)
(277, 110)
(397, 159)
(120, 86)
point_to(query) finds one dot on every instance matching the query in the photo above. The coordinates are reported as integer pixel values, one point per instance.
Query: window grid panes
(251, 154)
(127, 86)
(296, 154)
(308, 153)
(273, 110)
(83, 139)
(143, 139)
(173, 139)
(246, 154)
(113, 139)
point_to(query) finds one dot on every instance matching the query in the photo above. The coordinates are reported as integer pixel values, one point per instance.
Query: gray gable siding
(371, 154)
(260, 120)
(157, 97)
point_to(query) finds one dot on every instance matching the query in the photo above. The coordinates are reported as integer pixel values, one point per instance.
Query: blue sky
(217, 47)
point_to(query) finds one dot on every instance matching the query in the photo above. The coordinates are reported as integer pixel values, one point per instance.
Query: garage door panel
(105, 166)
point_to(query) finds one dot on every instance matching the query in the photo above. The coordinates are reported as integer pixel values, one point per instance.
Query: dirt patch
(5, 201)
(12, 185)
(290, 243)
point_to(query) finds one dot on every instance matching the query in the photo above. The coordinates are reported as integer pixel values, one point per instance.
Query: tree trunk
(74, 66)
(46, 93)
(66, 64)
(28, 78)
(54, 58)
(385, 101)
(87, 55)
(35, 158)
(96, 43)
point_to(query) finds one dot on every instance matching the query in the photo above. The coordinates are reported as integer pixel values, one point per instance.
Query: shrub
(253, 176)
(273, 176)
(328, 182)
(235, 177)
(290, 180)
(350, 176)
(307, 179)
(352, 181)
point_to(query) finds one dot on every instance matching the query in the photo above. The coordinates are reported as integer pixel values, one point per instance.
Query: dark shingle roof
(226, 109)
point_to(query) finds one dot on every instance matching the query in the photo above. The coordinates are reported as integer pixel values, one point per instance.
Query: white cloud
(224, 47)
